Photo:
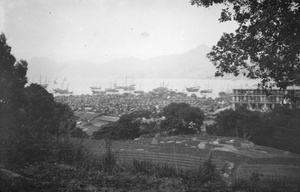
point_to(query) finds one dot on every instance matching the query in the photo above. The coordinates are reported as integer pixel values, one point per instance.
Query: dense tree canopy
(280, 128)
(12, 73)
(127, 127)
(237, 123)
(266, 44)
(181, 118)
(44, 113)
(12, 81)
(29, 116)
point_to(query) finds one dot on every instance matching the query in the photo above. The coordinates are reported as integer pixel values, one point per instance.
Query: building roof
(222, 109)
(255, 87)
(78, 114)
(108, 118)
(90, 130)
(88, 115)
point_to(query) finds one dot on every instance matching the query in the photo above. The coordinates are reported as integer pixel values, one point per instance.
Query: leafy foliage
(12, 81)
(78, 133)
(30, 119)
(133, 176)
(237, 123)
(46, 114)
(266, 44)
(127, 127)
(280, 128)
(182, 119)
(109, 131)
(12, 75)
(130, 127)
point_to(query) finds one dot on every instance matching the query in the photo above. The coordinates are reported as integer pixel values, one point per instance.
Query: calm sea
(82, 86)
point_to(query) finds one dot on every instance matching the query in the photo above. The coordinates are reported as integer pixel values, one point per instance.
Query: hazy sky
(101, 30)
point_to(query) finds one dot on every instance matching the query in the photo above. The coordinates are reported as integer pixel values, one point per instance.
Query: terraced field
(182, 152)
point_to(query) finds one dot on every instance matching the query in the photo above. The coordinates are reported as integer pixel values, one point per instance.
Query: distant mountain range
(191, 64)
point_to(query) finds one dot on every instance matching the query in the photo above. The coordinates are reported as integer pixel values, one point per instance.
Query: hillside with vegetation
(39, 154)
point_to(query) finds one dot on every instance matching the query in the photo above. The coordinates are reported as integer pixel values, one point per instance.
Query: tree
(280, 128)
(238, 123)
(12, 74)
(12, 81)
(265, 46)
(44, 114)
(79, 133)
(29, 117)
(112, 130)
(181, 118)
(127, 127)
(129, 124)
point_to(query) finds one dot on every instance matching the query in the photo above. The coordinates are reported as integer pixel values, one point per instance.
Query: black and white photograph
(149, 95)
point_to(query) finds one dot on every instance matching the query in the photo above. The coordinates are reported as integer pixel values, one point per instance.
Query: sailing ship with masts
(62, 90)
(96, 89)
(208, 90)
(45, 85)
(121, 89)
(193, 89)
(125, 87)
(162, 89)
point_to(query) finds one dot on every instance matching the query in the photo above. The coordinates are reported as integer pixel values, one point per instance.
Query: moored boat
(192, 89)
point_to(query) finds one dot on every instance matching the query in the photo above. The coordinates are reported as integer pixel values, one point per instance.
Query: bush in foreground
(88, 173)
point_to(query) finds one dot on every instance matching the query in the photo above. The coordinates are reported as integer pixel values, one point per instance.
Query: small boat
(62, 91)
(206, 91)
(161, 89)
(96, 89)
(111, 90)
(138, 92)
(192, 89)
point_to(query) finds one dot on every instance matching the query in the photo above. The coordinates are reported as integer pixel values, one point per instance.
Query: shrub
(108, 159)
(241, 123)
(28, 146)
(79, 133)
(254, 184)
(281, 129)
(213, 129)
(109, 131)
(127, 127)
(180, 118)
(71, 152)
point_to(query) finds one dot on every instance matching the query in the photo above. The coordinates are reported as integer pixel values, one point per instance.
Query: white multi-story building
(256, 99)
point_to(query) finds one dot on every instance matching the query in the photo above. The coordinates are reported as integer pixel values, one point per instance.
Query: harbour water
(82, 86)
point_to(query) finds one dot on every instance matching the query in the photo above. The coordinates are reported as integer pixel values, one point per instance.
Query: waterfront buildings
(256, 99)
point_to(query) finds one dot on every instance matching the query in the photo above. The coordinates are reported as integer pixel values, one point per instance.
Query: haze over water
(82, 86)
(103, 30)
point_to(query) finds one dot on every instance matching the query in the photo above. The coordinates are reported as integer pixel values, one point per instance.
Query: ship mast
(62, 85)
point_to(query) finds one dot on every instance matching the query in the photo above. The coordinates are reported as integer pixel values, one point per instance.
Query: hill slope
(191, 64)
